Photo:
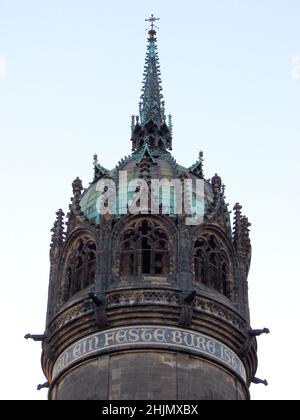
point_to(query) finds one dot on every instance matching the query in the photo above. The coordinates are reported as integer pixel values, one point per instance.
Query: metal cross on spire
(152, 19)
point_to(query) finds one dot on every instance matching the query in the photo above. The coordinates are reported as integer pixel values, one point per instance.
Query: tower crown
(151, 127)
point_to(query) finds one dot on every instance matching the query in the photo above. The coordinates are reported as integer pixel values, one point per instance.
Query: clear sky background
(70, 78)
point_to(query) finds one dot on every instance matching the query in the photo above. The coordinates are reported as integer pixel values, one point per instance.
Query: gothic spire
(152, 106)
(151, 126)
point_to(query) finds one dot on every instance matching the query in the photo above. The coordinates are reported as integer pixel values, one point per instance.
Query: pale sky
(70, 79)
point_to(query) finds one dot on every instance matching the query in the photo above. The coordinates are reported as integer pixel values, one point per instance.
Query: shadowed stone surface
(148, 375)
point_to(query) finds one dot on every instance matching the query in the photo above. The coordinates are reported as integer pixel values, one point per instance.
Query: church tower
(148, 295)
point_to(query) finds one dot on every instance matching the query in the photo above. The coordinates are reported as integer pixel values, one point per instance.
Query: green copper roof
(164, 168)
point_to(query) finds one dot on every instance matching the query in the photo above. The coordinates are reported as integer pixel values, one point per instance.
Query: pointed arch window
(211, 264)
(144, 250)
(80, 268)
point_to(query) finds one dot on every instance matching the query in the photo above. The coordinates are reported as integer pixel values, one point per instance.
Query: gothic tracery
(144, 249)
(211, 264)
(80, 267)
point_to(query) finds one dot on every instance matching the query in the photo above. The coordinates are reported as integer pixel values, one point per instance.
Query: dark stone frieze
(145, 297)
(220, 311)
(70, 315)
(140, 297)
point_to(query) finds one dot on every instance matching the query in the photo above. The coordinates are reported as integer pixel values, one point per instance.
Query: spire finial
(223, 189)
(216, 183)
(152, 19)
(197, 168)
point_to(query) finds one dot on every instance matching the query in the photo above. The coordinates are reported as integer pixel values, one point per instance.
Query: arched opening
(146, 257)
(211, 264)
(144, 250)
(80, 268)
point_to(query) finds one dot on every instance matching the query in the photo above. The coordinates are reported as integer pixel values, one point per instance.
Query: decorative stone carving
(212, 264)
(79, 268)
(58, 237)
(144, 248)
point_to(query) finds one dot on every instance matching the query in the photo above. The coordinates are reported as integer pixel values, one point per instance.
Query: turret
(144, 304)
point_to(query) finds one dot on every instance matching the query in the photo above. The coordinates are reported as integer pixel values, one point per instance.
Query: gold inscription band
(147, 336)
